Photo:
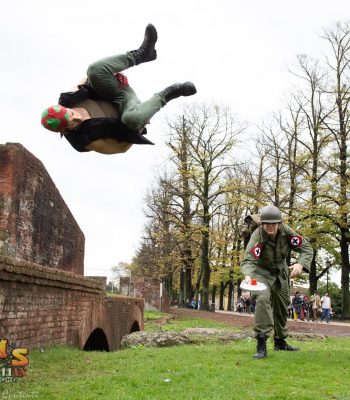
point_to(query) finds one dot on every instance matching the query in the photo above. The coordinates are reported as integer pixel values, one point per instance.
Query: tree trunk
(168, 287)
(205, 266)
(344, 227)
(230, 296)
(345, 271)
(222, 293)
(213, 297)
(182, 298)
(313, 275)
(205, 273)
(188, 283)
(239, 290)
(197, 287)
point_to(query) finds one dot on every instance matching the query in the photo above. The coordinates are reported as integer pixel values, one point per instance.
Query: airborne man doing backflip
(104, 114)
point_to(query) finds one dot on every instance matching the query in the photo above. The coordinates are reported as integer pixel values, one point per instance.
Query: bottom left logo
(13, 361)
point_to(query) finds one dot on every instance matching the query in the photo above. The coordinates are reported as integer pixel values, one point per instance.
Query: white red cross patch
(296, 241)
(256, 250)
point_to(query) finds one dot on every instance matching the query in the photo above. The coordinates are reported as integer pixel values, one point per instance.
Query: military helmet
(270, 215)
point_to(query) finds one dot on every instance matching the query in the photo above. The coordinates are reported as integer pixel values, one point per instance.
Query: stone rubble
(193, 335)
(154, 339)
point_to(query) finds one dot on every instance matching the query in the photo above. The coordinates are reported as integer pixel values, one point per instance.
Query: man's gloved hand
(296, 270)
(247, 279)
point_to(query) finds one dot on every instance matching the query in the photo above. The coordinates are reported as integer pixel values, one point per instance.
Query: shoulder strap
(68, 99)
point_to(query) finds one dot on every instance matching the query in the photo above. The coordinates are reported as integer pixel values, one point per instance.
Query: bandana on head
(55, 118)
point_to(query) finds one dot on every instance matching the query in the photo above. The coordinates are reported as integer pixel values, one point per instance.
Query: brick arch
(97, 341)
(135, 322)
(43, 306)
(116, 317)
(96, 318)
(135, 327)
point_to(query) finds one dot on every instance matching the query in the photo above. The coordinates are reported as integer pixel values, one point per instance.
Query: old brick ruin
(35, 223)
(150, 289)
(44, 297)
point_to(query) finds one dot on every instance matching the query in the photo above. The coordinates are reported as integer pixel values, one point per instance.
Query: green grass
(152, 323)
(319, 371)
(151, 315)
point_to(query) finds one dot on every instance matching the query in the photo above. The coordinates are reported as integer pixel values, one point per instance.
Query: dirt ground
(334, 328)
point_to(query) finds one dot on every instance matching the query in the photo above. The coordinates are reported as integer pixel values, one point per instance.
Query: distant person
(315, 302)
(240, 305)
(104, 114)
(193, 304)
(297, 304)
(326, 307)
(306, 307)
(248, 303)
(265, 260)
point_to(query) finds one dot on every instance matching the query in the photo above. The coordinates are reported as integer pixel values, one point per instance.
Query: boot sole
(286, 349)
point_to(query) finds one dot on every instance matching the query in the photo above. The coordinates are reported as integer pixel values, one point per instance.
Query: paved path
(334, 328)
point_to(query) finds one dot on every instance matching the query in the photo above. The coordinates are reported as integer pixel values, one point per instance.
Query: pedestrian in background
(315, 302)
(326, 307)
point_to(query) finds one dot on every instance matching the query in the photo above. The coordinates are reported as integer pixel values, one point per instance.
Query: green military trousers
(271, 310)
(132, 112)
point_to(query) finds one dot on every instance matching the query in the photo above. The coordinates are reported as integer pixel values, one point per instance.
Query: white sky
(237, 53)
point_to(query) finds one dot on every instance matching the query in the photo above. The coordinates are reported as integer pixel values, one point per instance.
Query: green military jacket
(268, 258)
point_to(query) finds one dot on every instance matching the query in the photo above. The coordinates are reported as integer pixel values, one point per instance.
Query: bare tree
(157, 254)
(339, 64)
(212, 135)
(313, 140)
(291, 126)
(183, 204)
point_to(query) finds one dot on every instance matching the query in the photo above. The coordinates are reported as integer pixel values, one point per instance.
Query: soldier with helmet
(266, 261)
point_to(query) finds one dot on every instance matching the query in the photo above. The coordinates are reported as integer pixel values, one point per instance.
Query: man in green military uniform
(265, 260)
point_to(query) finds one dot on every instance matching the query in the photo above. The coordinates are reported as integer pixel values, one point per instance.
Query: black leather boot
(281, 344)
(177, 90)
(146, 52)
(261, 351)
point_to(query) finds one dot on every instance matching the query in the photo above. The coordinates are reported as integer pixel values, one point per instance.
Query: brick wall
(42, 306)
(149, 290)
(44, 299)
(35, 222)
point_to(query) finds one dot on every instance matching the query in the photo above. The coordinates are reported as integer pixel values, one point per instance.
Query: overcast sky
(236, 52)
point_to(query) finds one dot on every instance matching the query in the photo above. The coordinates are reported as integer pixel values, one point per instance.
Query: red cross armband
(296, 241)
(256, 250)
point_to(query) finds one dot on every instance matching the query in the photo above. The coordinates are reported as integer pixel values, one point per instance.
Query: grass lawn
(152, 323)
(208, 371)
